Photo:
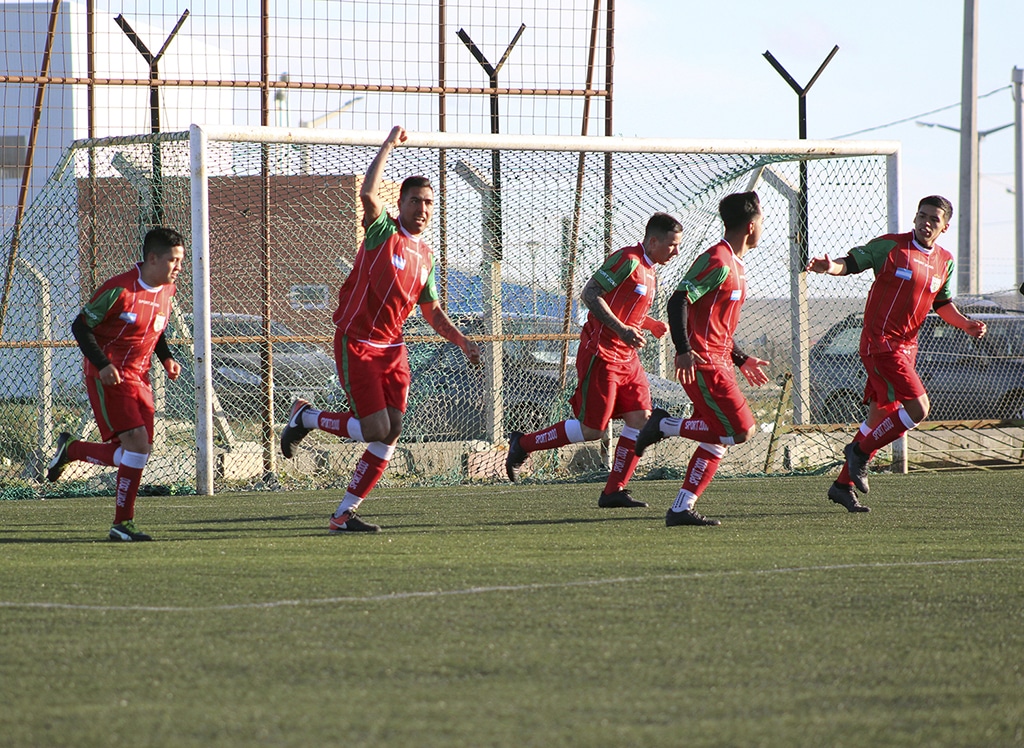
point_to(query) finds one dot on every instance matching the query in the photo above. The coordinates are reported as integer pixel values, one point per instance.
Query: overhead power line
(915, 116)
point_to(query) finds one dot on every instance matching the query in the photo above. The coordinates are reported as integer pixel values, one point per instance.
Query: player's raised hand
(397, 136)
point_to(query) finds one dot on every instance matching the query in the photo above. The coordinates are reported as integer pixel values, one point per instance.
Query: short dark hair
(662, 224)
(413, 183)
(939, 202)
(160, 241)
(738, 209)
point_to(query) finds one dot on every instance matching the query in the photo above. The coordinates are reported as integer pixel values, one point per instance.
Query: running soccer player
(393, 271)
(702, 315)
(611, 380)
(912, 275)
(118, 331)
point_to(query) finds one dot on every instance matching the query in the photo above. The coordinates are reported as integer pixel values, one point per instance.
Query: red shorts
(608, 390)
(717, 400)
(892, 377)
(121, 407)
(374, 378)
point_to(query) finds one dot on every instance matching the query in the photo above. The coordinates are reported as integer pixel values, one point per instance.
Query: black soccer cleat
(846, 496)
(619, 500)
(293, 431)
(60, 458)
(857, 464)
(516, 456)
(350, 522)
(127, 532)
(650, 433)
(689, 517)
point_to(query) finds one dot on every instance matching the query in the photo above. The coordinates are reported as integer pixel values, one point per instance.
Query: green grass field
(521, 616)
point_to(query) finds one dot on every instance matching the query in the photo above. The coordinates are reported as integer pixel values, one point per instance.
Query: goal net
(520, 224)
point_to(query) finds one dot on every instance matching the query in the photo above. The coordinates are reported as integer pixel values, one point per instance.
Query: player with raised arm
(912, 275)
(392, 273)
(611, 380)
(702, 315)
(118, 332)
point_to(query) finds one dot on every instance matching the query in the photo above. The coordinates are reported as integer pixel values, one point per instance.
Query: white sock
(670, 426)
(684, 501)
(574, 430)
(906, 419)
(310, 418)
(348, 504)
(629, 433)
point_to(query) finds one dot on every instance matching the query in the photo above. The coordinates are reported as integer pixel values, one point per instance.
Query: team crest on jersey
(641, 289)
(129, 317)
(936, 283)
(398, 261)
(423, 274)
(159, 323)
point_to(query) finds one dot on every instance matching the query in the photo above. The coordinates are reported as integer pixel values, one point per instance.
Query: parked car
(300, 369)
(966, 378)
(447, 395)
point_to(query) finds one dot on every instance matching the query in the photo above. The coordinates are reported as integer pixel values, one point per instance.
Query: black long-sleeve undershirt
(91, 348)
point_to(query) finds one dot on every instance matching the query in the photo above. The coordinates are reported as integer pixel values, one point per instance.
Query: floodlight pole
(800, 338)
(153, 61)
(1018, 172)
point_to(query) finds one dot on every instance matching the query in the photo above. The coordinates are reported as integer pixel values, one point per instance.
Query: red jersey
(127, 317)
(715, 287)
(908, 280)
(629, 282)
(393, 272)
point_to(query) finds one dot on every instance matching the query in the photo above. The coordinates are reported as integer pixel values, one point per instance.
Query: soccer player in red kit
(912, 275)
(393, 271)
(612, 382)
(118, 331)
(702, 315)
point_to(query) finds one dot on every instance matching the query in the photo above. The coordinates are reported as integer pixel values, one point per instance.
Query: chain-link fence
(283, 230)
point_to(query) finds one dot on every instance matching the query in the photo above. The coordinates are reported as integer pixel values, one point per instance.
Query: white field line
(501, 588)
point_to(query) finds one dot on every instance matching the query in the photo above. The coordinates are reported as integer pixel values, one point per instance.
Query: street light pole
(968, 279)
(967, 243)
(1018, 171)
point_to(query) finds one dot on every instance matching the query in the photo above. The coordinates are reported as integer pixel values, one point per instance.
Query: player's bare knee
(743, 436)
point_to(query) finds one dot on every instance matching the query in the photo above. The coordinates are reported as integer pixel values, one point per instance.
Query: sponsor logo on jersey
(398, 261)
(904, 273)
(129, 317)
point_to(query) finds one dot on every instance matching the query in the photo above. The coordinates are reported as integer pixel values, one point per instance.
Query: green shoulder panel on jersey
(379, 231)
(872, 255)
(699, 279)
(429, 292)
(614, 271)
(96, 310)
(946, 293)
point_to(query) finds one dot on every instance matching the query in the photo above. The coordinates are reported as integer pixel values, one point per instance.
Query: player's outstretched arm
(443, 326)
(369, 195)
(953, 316)
(826, 265)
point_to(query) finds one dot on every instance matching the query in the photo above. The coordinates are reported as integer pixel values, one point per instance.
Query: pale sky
(697, 70)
